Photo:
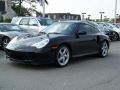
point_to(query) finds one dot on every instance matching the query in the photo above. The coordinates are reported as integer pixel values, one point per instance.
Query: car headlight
(13, 40)
(41, 44)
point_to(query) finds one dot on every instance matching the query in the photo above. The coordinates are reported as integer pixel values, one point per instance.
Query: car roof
(78, 21)
(20, 17)
(71, 21)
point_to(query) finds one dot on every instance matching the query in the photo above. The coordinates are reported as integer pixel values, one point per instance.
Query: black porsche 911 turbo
(58, 43)
(8, 32)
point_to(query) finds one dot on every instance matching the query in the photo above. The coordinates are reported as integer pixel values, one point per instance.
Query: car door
(34, 25)
(24, 23)
(85, 42)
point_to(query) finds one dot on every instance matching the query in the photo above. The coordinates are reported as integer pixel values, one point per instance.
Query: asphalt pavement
(84, 73)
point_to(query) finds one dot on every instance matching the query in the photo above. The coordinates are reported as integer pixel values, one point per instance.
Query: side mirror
(82, 33)
(34, 25)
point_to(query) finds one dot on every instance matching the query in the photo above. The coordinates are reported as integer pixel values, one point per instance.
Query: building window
(54, 16)
(64, 17)
(76, 17)
(72, 17)
(48, 16)
(69, 17)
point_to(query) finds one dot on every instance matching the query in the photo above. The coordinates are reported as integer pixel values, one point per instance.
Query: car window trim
(27, 22)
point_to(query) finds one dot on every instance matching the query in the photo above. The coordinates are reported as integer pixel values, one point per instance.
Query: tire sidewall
(4, 40)
(56, 59)
(115, 35)
(101, 51)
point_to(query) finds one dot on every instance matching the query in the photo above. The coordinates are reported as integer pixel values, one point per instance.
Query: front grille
(20, 55)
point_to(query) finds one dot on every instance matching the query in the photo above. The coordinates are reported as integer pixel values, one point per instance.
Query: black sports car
(8, 32)
(58, 43)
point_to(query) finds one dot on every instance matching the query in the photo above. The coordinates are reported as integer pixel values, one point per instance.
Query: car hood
(12, 34)
(116, 29)
(27, 41)
(42, 27)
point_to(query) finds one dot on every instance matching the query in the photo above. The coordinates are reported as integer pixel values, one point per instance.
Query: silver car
(32, 24)
(8, 32)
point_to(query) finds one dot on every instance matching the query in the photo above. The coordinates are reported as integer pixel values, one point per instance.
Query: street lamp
(115, 11)
(105, 18)
(89, 17)
(20, 2)
(83, 17)
(101, 14)
(42, 3)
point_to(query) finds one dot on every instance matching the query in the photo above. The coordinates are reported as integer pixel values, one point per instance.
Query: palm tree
(42, 3)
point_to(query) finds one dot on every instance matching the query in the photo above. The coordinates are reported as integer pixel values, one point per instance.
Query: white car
(32, 24)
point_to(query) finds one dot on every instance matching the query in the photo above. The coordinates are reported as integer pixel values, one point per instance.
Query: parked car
(8, 32)
(111, 30)
(114, 32)
(103, 28)
(116, 25)
(58, 43)
(32, 24)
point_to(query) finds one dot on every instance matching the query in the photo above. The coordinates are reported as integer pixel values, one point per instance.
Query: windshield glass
(64, 28)
(14, 20)
(116, 25)
(45, 22)
(10, 27)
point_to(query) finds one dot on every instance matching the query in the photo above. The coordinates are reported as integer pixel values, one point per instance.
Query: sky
(92, 7)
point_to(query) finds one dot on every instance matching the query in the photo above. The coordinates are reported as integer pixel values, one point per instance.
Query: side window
(94, 30)
(24, 21)
(33, 22)
(85, 27)
(72, 28)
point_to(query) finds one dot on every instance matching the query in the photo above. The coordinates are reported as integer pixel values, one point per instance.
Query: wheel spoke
(104, 49)
(63, 56)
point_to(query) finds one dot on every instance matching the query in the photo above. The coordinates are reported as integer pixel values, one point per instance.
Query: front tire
(103, 52)
(5, 42)
(63, 56)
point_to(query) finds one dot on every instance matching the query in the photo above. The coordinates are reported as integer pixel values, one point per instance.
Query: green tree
(17, 8)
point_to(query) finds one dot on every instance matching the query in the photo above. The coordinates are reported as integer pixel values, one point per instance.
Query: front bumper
(30, 57)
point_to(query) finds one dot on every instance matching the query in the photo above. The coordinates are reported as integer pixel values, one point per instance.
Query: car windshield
(14, 20)
(116, 25)
(9, 27)
(45, 22)
(64, 28)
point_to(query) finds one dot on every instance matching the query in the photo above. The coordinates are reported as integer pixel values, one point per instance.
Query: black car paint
(79, 45)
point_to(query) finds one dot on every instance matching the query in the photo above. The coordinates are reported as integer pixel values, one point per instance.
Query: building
(8, 13)
(63, 16)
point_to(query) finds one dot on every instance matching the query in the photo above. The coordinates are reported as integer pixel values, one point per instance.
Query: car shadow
(33, 67)
(83, 59)
(73, 62)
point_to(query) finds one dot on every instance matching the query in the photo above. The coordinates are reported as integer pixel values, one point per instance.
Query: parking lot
(84, 73)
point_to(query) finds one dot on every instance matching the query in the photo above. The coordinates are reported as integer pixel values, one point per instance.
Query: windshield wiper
(54, 33)
(41, 33)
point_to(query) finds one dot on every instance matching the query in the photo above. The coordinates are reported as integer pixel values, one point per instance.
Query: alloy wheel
(104, 49)
(63, 56)
(115, 36)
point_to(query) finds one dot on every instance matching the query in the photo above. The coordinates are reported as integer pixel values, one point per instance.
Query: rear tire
(63, 56)
(115, 36)
(103, 50)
